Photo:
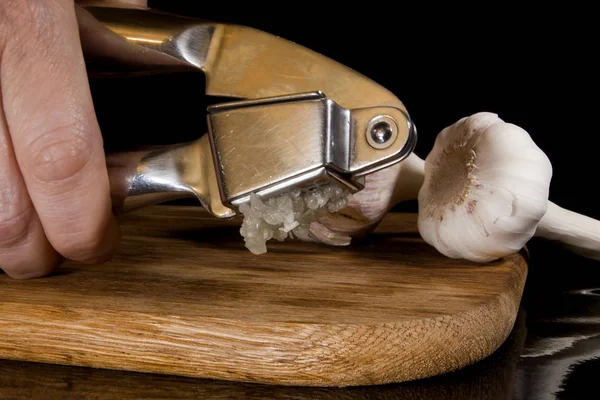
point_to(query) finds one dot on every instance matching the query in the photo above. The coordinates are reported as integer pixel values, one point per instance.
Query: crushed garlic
(288, 215)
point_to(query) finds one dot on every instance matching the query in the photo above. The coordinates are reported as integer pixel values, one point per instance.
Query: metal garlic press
(297, 119)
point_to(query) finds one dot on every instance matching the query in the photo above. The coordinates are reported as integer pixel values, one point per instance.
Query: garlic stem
(576, 232)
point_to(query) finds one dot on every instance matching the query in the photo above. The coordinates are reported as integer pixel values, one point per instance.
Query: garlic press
(297, 119)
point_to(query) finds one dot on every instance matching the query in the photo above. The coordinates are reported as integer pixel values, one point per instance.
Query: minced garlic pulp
(288, 215)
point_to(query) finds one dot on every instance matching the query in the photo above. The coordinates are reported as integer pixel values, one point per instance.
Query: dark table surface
(553, 352)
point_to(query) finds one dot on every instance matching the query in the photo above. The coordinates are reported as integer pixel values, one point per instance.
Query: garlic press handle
(238, 61)
(121, 40)
(144, 178)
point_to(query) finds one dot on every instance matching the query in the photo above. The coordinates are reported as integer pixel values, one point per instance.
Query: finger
(24, 250)
(54, 130)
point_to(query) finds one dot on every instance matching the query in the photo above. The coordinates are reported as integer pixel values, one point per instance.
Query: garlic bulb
(485, 190)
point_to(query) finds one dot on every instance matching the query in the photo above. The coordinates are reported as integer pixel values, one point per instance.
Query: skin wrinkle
(15, 218)
(22, 236)
(12, 212)
(19, 229)
(57, 162)
(68, 156)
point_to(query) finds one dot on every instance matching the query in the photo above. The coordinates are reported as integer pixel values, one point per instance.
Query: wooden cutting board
(184, 297)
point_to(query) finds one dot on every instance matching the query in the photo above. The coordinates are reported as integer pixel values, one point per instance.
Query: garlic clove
(466, 230)
(383, 190)
(529, 196)
(485, 189)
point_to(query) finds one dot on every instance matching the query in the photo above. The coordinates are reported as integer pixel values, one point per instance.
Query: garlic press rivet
(381, 132)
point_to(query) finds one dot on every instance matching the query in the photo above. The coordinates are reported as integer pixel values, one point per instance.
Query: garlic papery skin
(485, 189)
(576, 232)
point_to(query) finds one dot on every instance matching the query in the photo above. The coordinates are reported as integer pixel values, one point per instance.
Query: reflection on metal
(144, 40)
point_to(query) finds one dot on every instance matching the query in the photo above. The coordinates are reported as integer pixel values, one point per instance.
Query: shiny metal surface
(269, 145)
(245, 63)
(153, 176)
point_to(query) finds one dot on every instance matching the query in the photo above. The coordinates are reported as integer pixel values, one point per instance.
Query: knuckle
(15, 224)
(58, 155)
(81, 245)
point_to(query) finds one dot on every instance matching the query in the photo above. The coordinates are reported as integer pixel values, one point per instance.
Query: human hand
(54, 188)
(55, 194)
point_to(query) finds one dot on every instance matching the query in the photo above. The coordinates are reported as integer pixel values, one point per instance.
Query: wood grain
(184, 297)
(492, 378)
